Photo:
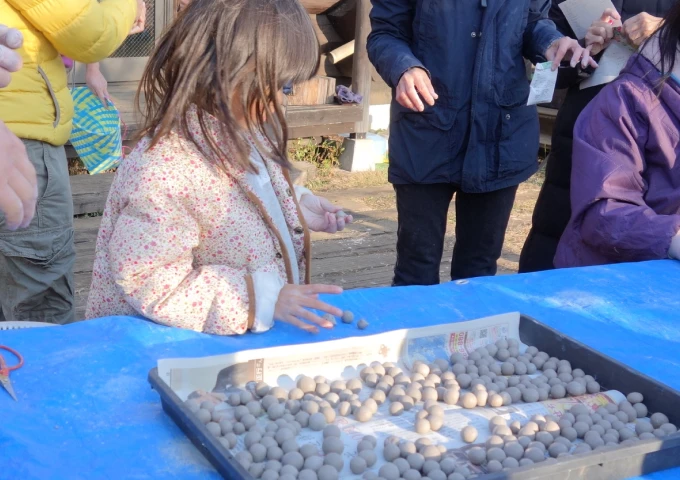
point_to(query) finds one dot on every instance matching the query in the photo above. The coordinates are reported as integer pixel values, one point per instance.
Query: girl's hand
(294, 300)
(568, 48)
(97, 83)
(640, 27)
(321, 215)
(601, 31)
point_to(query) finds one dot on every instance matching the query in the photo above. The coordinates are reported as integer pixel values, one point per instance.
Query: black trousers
(481, 221)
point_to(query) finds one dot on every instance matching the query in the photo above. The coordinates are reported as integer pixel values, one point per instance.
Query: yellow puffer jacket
(37, 104)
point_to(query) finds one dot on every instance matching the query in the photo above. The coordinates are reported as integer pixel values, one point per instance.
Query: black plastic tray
(608, 464)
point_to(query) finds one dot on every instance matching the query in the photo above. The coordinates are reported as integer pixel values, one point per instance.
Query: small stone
(362, 324)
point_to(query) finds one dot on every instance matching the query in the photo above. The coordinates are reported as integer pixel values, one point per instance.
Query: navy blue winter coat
(480, 135)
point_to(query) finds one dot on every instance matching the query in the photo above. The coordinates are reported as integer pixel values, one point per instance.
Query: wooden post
(361, 66)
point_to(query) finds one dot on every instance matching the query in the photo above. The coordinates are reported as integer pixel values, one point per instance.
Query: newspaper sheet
(342, 359)
(610, 65)
(582, 13)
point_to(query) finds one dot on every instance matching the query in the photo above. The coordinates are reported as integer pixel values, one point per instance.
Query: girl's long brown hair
(220, 52)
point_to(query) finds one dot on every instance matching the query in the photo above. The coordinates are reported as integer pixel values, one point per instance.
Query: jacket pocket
(518, 143)
(53, 95)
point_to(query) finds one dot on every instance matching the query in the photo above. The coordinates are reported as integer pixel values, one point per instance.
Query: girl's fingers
(314, 318)
(315, 304)
(296, 322)
(318, 288)
(331, 222)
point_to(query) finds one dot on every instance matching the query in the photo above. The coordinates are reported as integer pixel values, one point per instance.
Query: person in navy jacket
(460, 121)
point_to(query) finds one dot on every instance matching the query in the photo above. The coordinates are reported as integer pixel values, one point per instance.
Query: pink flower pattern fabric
(181, 236)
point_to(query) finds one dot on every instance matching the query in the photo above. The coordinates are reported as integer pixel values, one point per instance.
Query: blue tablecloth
(86, 410)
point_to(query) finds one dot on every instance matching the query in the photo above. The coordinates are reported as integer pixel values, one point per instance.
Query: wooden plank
(305, 131)
(301, 116)
(90, 192)
(325, 33)
(317, 6)
(316, 91)
(361, 66)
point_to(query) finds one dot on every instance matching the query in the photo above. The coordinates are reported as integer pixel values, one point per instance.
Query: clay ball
(369, 456)
(469, 434)
(658, 419)
(635, 397)
(333, 445)
(390, 452)
(334, 460)
(643, 426)
(422, 426)
(357, 465)
(534, 454)
(476, 455)
(468, 400)
(317, 422)
(514, 450)
(389, 471)
(363, 414)
(347, 317)
(362, 324)
(576, 389)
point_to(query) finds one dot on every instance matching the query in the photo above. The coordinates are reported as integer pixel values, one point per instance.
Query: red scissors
(4, 370)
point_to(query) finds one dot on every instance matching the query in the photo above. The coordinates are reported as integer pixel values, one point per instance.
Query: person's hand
(413, 85)
(10, 61)
(569, 49)
(321, 215)
(18, 181)
(640, 27)
(601, 31)
(97, 83)
(140, 21)
(294, 300)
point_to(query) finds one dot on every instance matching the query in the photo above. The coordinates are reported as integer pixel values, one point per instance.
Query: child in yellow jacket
(36, 263)
(202, 228)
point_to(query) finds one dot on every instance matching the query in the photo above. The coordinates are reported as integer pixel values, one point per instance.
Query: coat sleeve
(540, 31)
(608, 188)
(389, 43)
(84, 30)
(151, 255)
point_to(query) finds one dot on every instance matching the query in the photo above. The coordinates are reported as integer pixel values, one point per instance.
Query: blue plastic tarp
(86, 410)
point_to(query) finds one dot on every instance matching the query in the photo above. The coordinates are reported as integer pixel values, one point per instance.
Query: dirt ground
(363, 255)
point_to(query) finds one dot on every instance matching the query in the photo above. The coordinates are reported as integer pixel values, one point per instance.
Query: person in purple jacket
(625, 195)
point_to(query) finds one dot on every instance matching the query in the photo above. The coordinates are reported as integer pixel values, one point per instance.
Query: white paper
(543, 83)
(611, 63)
(582, 13)
(343, 358)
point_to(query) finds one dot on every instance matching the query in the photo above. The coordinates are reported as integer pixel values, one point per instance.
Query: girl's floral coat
(180, 238)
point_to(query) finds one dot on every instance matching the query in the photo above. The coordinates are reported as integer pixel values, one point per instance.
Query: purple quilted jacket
(625, 180)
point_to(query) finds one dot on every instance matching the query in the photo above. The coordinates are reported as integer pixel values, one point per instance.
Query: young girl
(203, 228)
